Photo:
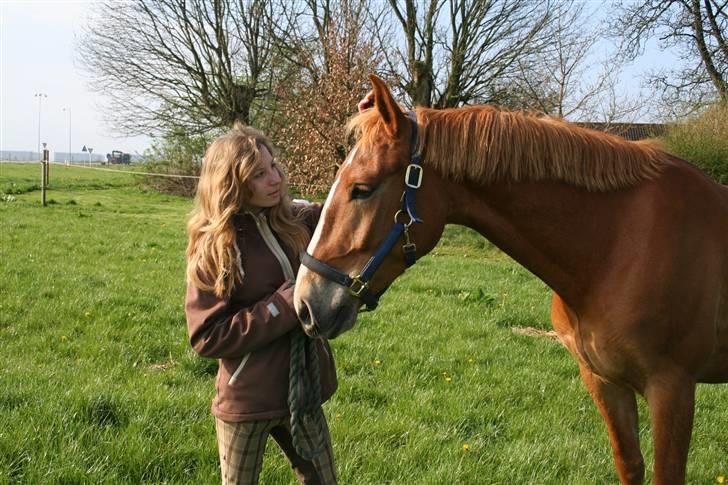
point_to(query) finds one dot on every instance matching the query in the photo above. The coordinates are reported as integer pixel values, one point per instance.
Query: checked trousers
(241, 446)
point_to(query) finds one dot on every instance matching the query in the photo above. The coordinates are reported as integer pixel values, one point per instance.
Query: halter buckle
(413, 176)
(357, 286)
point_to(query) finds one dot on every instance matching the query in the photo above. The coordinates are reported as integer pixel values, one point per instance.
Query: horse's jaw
(324, 308)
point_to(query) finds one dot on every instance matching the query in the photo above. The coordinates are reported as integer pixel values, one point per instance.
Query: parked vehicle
(117, 156)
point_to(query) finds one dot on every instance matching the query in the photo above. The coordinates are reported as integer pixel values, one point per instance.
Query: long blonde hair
(213, 257)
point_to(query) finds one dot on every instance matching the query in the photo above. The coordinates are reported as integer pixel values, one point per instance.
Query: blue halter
(359, 285)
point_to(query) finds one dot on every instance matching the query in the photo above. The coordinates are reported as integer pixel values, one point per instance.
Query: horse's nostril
(304, 315)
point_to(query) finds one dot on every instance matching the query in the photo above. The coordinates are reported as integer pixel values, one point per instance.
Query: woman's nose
(275, 176)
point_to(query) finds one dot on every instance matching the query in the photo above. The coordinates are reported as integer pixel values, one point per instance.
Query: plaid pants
(241, 446)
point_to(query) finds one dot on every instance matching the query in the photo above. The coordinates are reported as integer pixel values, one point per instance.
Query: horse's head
(361, 243)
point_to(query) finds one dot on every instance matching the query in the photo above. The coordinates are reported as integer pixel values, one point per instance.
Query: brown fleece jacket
(257, 320)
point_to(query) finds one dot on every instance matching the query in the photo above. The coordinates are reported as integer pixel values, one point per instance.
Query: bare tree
(178, 64)
(697, 31)
(565, 80)
(456, 52)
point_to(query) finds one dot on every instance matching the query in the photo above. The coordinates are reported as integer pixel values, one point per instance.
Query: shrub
(177, 153)
(703, 140)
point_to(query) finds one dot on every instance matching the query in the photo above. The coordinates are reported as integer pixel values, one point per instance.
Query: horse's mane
(485, 144)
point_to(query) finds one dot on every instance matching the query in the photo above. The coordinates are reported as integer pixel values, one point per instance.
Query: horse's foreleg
(671, 399)
(618, 407)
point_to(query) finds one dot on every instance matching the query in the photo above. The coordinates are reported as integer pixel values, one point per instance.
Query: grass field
(99, 385)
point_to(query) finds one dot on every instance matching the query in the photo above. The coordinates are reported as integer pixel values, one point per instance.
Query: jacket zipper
(273, 245)
(270, 240)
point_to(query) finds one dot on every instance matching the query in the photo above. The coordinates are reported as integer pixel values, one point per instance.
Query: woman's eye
(361, 192)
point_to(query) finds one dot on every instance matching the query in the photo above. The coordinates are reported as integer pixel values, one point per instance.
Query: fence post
(44, 177)
(46, 157)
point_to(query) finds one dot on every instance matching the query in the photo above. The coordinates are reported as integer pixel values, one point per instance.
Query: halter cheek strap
(359, 285)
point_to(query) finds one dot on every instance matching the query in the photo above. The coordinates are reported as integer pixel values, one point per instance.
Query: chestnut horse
(632, 241)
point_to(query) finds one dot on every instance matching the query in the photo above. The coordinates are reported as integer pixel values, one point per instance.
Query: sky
(37, 56)
(37, 41)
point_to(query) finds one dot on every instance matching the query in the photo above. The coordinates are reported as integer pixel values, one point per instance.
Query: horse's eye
(361, 192)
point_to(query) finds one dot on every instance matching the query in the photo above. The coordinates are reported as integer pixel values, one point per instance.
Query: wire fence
(319, 187)
(131, 172)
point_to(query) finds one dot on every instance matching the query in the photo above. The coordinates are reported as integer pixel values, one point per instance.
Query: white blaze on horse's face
(320, 227)
(312, 289)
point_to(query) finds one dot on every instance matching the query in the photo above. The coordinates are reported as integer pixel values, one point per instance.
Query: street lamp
(40, 97)
(70, 157)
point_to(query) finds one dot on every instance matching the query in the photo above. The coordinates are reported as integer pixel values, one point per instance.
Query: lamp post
(70, 157)
(40, 97)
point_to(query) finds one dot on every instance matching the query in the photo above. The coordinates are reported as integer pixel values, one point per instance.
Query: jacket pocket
(236, 373)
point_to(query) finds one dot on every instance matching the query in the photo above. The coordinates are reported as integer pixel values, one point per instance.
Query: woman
(244, 239)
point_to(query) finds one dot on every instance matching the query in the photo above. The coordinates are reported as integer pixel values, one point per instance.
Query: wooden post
(46, 157)
(44, 177)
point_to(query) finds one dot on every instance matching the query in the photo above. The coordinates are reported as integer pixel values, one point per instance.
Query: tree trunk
(720, 84)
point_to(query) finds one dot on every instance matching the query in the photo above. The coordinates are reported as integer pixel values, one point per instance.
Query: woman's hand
(286, 291)
(366, 102)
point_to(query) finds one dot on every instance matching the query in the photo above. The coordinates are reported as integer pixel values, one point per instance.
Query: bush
(703, 140)
(176, 154)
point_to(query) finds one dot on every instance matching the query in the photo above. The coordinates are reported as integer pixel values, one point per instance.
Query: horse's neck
(558, 232)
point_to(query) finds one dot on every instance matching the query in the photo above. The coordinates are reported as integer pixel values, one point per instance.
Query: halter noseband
(359, 285)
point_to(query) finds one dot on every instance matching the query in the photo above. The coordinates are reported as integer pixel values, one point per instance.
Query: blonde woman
(244, 239)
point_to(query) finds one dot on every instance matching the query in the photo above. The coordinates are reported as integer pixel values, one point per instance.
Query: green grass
(98, 383)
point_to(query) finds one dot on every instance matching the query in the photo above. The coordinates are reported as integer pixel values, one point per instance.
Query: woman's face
(266, 182)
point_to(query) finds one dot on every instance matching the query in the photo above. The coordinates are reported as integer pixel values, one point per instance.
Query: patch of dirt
(535, 332)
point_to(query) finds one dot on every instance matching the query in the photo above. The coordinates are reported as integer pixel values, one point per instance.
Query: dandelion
(720, 479)
(377, 362)
(448, 379)
(466, 447)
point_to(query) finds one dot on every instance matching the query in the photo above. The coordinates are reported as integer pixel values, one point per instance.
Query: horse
(633, 242)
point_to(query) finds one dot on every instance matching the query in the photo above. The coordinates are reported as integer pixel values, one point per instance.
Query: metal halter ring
(402, 211)
(357, 286)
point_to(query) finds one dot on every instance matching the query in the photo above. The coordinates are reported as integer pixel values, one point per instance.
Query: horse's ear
(387, 107)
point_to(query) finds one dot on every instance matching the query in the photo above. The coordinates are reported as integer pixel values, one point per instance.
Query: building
(629, 131)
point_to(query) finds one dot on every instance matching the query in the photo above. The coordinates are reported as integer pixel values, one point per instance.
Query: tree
(178, 157)
(566, 81)
(329, 53)
(457, 52)
(167, 65)
(698, 31)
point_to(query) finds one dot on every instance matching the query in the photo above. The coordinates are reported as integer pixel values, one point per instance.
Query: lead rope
(304, 396)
